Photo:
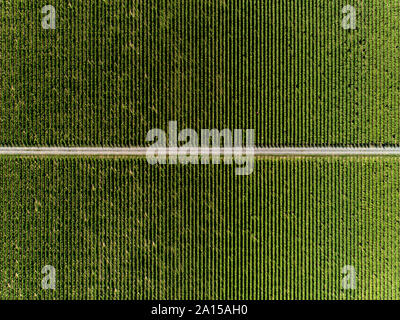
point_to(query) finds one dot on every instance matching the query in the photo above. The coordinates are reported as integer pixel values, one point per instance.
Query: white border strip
(142, 151)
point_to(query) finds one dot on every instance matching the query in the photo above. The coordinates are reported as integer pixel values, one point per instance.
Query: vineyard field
(109, 72)
(113, 70)
(117, 228)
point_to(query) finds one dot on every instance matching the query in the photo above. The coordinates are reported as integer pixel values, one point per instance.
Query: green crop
(121, 229)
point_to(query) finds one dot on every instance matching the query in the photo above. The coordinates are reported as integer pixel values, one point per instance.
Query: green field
(113, 70)
(118, 228)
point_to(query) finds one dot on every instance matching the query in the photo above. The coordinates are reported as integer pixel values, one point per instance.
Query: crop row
(113, 70)
(120, 229)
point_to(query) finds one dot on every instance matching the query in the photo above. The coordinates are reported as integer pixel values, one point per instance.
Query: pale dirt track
(141, 151)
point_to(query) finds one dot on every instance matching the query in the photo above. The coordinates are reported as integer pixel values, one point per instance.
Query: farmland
(119, 228)
(113, 70)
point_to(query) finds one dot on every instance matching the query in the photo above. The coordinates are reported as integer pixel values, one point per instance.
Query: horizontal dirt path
(141, 151)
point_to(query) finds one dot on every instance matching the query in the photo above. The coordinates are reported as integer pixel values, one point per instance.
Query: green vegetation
(113, 70)
(118, 228)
